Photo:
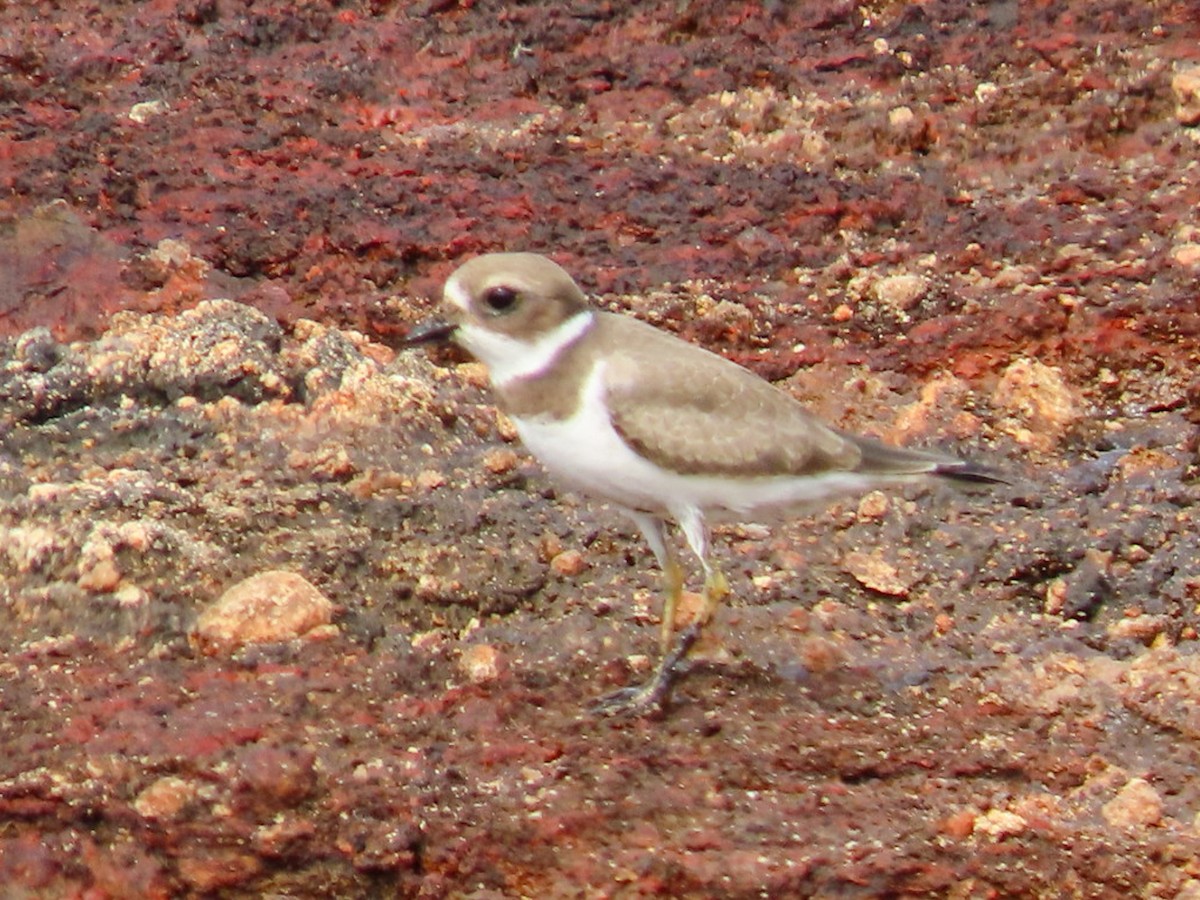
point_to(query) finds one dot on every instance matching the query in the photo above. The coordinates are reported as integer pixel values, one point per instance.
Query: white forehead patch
(456, 294)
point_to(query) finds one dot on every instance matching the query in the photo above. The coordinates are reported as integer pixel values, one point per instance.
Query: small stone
(1187, 255)
(475, 374)
(1136, 553)
(1137, 804)
(959, 825)
(480, 663)
(688, 609)
(327, 463)
(843, 313)
(819, 654)
(873, 506)
(568, 563)
(1145, 462)
(506, 428)
(1186, 85)
(1040, 400)
(129, 596)
(900, 292)
(430, 480)
(146, 110)
(872, 571)
(1056, 597)
(267, 607)
(102, 577)
(274, 776)
(1143, 628)
(1000, 823)
(166, 799)
(549, 546)
(798, 619)
(276, 837)
(28, 547)
(900, 117)
(500, 460)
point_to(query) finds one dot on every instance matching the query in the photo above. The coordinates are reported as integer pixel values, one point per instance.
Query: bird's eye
(500, 299)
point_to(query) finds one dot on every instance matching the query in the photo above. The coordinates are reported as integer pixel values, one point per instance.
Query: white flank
(509, 359)
(586, 452)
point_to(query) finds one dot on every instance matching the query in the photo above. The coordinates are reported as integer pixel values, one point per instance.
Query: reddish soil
(954, 224)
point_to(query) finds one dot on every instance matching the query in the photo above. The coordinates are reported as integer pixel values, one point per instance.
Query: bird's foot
(653, 695)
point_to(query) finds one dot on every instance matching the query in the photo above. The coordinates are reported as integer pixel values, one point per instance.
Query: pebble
(568, 563)
(1186, 85)
(100, 577)
(1056, 597)
(147, 110)
(480, 663)
(268, 607)
(1187, 255)
(549, 546)
(900, 117)
(28, 547)
(500, 460)
(959, 825)
(999, 823)
(1143, 628)
(1039, 395)
(873, 506)
(1136, 804)
(165, 799)
(900, 292)
(430, 480)
(876, 573)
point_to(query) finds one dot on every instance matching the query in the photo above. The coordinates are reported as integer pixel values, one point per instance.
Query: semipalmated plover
(661, 428)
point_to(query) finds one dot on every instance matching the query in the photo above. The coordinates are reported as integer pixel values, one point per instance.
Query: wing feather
(672, 402)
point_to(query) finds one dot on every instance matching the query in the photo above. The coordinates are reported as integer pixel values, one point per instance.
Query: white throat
(510, 359)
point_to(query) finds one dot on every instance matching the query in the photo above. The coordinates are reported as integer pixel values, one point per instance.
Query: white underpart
(508, 358)
(586, 452)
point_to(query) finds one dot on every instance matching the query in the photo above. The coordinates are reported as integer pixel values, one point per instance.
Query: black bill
(434, 332)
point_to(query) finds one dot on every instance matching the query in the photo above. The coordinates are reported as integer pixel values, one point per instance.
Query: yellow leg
(654, 694)
(716, 589)
(673, 589)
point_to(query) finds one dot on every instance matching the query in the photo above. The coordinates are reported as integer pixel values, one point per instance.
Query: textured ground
(962, 225)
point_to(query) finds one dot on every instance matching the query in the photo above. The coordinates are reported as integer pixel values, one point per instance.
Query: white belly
(586, 452)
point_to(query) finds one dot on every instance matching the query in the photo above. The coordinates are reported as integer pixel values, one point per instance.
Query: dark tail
(969, 473)
(883, 459)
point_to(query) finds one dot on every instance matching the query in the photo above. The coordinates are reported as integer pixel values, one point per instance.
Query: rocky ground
(961, 225)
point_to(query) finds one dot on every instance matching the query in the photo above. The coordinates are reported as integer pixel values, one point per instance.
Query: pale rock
(874, 572)
(1186, 85)
(568, 563)
(1040, 402)
(900, 292)
(1187, 255)
(480, 663)
(265, 608)
(166, 799)
(1000, 823)
(1137, 804)
(873, 506)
